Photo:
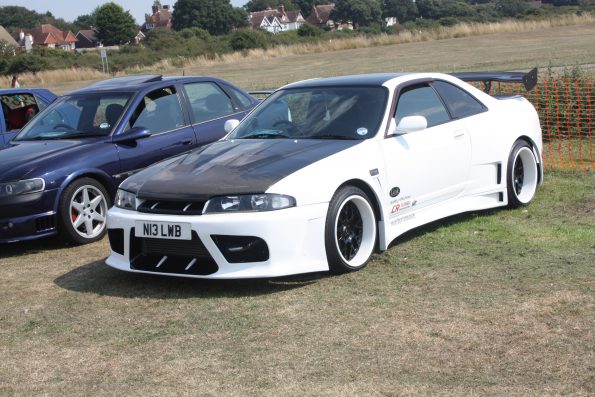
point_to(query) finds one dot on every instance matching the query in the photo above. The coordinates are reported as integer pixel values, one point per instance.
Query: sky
(71, 9)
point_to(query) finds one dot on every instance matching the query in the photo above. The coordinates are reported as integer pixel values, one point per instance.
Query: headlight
(125, 200)
(248, 202)
(21, 187)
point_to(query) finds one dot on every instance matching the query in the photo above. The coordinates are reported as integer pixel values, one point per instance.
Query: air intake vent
(172, 207)
(45, 223)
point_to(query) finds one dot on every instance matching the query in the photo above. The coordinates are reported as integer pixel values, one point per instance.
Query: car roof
(137, 82)
(374, 79)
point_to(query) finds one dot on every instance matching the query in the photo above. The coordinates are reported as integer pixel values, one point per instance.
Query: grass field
(493, 303)
(557, 46)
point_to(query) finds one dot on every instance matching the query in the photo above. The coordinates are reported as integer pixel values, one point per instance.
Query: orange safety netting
(565, 107)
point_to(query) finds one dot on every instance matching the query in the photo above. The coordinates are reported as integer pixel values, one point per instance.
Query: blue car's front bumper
(28, 216)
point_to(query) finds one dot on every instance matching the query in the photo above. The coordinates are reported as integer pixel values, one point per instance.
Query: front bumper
(294, 239)
(28, 217)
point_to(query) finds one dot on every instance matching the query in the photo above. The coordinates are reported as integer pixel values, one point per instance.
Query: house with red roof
(47, 35)
(160, 18)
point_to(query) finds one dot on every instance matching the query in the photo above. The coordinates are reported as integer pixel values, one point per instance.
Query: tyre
(82, 211)
(350, 230)
(522, 175)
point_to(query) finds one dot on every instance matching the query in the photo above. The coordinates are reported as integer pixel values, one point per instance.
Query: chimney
(28, 42)
(281, 9)
(21, 35)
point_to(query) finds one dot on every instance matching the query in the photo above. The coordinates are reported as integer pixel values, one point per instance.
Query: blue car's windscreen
(76, 116)
(317, 113)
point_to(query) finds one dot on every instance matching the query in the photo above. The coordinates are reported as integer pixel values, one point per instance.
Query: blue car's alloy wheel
(83, 211)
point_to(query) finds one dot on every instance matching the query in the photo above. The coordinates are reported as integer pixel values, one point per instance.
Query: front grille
(171, 256)
(45, 223)
(172, 207)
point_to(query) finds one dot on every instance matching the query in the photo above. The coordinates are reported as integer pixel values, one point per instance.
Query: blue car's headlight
(125, 200)
(27, 186)
(248, 202)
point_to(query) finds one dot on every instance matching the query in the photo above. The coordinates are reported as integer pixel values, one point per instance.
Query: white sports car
(327, 171)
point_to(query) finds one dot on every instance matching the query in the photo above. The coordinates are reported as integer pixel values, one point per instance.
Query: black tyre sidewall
(335, 260)
(66, 231)
(513, 201)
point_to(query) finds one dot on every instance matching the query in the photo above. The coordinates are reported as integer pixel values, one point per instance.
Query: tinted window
(317, 113)
(422, 101)
(242, 98)
(460, 103)
(159, 111)
(77, 116)
(208, 101)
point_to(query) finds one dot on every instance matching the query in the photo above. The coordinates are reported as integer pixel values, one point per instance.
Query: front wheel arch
(351, 230)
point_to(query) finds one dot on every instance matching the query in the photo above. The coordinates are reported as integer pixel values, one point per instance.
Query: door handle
(185, 141)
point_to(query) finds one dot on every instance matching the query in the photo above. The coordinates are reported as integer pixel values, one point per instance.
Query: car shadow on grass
(19, 248)
(100, 279)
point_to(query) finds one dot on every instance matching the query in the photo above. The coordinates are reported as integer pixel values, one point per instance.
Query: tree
(261, 5)
(306, 5)
(436, 9)
(14, 17)
(512, 8)
(403, 10)
(360, 12)
(215, 16)
(87, 20)
(114, 25)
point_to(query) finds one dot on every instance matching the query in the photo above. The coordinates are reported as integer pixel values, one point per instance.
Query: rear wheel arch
(531, 143)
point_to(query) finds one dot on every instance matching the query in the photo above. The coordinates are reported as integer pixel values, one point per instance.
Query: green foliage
(512, 8)
(215, 16)
(27, 63)
(307, 30)
(88, 20)
(360, 12)
(15, 17)
(261, 5)
(436, 9)
(246, 39)
(403, 10)
(114, 25)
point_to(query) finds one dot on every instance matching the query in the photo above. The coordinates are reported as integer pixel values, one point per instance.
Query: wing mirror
(230, 125)
(411, 124)
(132, 135)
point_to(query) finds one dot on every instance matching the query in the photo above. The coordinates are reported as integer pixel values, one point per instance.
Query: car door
(160, 111)
(429, 166)
(210, 106)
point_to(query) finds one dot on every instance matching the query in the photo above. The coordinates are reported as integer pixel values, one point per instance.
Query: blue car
(19, 105)
(60, 173)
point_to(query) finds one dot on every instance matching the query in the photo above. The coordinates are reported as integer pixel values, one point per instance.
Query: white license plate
(168, 230)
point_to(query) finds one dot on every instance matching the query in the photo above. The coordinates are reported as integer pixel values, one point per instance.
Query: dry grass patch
(493, 303)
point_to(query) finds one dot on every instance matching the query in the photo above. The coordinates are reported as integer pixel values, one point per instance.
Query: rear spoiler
(528, 79)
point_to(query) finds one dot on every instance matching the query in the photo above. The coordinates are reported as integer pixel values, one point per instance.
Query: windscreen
(76, 116)
(316, 113)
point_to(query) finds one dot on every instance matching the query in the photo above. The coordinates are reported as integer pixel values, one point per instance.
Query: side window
(208, 101)
(459, 102)
(41, 103)
(240, 97)
(421, 101)
(18, 109)
(159, 111)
